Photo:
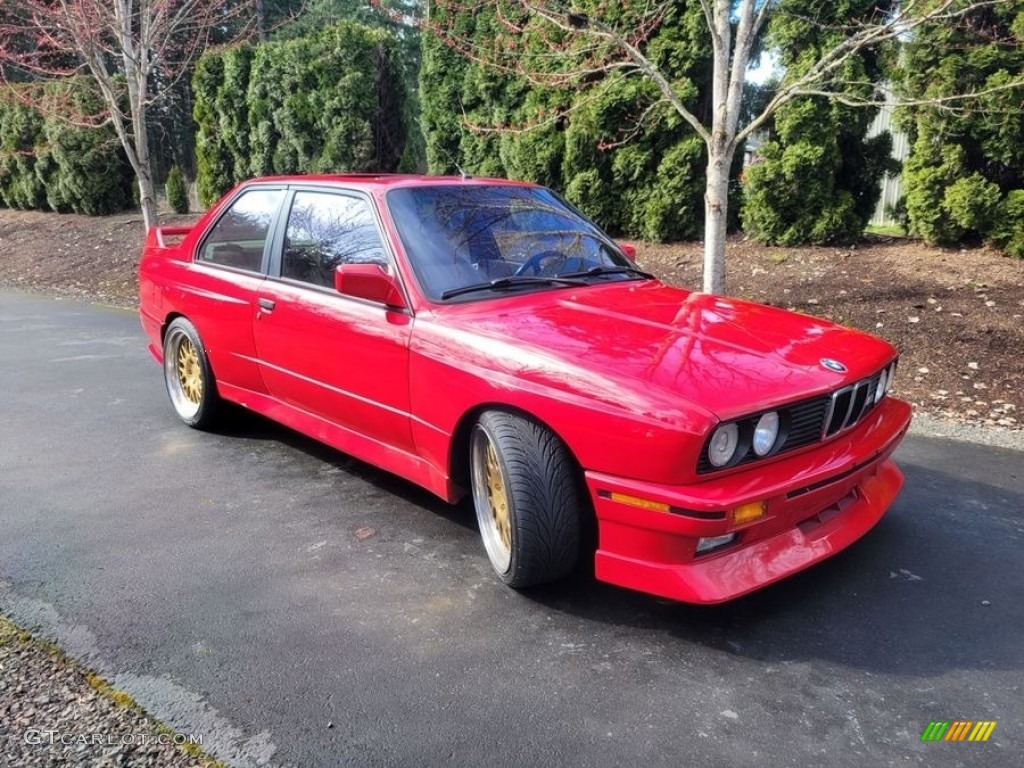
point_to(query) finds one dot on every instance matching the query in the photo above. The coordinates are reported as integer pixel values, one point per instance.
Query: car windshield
(483, 241)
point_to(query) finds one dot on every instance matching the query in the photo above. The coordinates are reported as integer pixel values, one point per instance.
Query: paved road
(228, 582)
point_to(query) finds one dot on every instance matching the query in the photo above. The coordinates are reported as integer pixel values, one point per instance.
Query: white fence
(892, 186)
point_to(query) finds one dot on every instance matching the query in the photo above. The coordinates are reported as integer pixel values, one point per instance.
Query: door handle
(267, 305)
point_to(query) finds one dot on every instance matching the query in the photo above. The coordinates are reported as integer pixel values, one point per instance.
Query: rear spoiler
(161, 235)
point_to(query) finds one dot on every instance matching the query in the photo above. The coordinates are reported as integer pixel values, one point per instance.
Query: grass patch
(884, 230)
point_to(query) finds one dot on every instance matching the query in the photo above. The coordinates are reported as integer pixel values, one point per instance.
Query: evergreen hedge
(49, 163)
(818, 177)
(330, 102)
(641, 180)
(964, 178)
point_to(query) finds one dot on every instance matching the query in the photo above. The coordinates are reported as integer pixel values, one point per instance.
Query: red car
(482, 337)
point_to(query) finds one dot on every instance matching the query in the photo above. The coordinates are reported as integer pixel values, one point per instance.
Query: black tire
(188, 376)
(536, 539)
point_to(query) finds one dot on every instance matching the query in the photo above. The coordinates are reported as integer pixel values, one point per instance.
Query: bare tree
(126, 46)
(605, 45)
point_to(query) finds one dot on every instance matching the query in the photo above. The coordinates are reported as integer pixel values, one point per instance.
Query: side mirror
(629, 249)
(369, 281)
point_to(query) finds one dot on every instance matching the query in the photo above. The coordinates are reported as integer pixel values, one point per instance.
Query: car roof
(384, 180)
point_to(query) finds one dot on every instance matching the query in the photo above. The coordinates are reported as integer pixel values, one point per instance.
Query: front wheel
(188, 376)
(526, 495)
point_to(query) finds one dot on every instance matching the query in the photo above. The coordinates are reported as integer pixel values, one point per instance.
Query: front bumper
(817, 503)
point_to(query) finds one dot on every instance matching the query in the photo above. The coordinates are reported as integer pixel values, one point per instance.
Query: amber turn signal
(636, 501)
(748, 513)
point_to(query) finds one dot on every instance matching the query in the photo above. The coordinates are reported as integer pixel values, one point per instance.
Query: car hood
(727, 356)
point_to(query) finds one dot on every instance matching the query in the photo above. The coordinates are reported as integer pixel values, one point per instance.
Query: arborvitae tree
(89, 172)
(51, 163)
(624, 158)
(327, 103)
(964, 179)
(818, 178)
(177, 191)
(20, 130)
(215, 169)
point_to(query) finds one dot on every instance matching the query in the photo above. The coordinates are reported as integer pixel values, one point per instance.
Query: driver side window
(326, 230)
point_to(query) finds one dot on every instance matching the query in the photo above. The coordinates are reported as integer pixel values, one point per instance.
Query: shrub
(48, 163)
(1008, 232)
(898, 211)
(818, 179)
(84, 169)
(966, 166)
(215, 170)
(177, 191)
(972, 202)
(20, 131)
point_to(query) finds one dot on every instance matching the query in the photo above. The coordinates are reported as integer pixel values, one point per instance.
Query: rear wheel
(188, 377)
(526, 495)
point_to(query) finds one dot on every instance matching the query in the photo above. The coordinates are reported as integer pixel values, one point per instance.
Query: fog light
(748, 513)
(707, 543)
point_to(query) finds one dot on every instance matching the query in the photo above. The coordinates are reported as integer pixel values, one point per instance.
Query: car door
(219, 296)
(339, 357)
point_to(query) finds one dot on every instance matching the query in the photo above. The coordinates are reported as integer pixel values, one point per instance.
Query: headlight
(883, 385)
(892, 375)
(765, 433)
(723, 445)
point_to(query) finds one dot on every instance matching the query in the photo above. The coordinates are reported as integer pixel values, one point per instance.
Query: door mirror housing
(628, 249)
(369, 281)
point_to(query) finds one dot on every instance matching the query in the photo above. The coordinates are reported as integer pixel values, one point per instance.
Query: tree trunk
(716, 218)
(144, 171)
(719, 143)
(261, 20)
(147, 197)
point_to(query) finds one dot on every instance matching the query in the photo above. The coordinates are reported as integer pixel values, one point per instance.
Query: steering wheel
(535, 265)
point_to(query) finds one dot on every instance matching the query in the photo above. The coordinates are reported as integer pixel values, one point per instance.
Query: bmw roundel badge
(833, 365)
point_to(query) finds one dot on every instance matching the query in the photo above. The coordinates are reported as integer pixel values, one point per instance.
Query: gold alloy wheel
(497, 495)
(189, 373)
(184, 372)
(492, 499)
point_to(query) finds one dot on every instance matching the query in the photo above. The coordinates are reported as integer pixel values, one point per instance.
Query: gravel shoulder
(54, 712)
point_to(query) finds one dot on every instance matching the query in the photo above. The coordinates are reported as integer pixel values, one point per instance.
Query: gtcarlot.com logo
(37, 736)
(958, 730)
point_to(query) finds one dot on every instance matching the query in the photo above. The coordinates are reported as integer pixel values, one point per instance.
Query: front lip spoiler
(744, 568)
(819, 502)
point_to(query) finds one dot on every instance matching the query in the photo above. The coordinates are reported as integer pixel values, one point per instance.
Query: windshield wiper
(512, 281)
(606, 270)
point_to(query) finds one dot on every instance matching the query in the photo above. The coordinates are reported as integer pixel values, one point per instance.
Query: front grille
(809, 421)
(804, 422)
(849, 405)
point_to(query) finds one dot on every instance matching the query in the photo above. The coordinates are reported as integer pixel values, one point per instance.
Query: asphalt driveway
(297, 607)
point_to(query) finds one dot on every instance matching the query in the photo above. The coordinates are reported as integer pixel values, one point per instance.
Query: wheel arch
(458, 449)
(170, 318)
(458, 464)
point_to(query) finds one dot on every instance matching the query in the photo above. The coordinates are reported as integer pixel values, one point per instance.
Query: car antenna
(462, 173)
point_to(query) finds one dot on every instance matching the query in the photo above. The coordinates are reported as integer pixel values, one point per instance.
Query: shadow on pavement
(908, 599)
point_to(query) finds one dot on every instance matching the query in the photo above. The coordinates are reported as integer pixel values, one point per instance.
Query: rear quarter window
(239, 237)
